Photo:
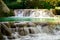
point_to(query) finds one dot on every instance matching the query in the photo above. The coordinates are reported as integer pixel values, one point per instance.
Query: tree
(4, 10)
(52, 2)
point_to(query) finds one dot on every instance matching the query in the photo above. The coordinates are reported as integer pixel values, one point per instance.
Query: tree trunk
(4, 10)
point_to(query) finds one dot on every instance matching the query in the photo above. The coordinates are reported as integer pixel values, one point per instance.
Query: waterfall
(39, 27)
(5, 37)
(32, 31)
(33, 13)
(18, 13)
(37, 32)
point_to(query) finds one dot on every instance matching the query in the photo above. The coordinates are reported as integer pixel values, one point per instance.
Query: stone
(31, 31)
(5, 30)
(22, 32)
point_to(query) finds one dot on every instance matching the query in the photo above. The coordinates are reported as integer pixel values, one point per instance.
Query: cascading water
(40, 13)
(36, 32)
(33, 13)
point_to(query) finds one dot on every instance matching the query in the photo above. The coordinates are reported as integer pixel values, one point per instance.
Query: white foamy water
(42, 36)
(40, 14)
(33, 13)
(39, 34)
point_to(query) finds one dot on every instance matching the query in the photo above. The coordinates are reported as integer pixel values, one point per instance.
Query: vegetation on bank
(7, 6)
(29, 4)
(4, 10)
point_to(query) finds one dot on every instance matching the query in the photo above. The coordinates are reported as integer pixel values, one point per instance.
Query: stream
(35, 32)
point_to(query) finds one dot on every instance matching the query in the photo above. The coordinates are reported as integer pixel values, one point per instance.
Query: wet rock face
(20, 24)
(26, 31)
(7, 24)
(5, 30)
(44, 24)
(57, 27)
(31, 24)
(26, 24)
(31, 31)
(12, 25)
(22, 32)
(57, 12)
(1, 36)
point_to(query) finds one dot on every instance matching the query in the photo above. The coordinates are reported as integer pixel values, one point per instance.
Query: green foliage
(29, 4)
(9, 1)
(3, 14)
(58, 3)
